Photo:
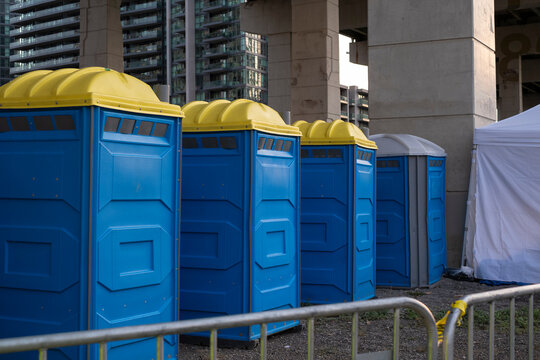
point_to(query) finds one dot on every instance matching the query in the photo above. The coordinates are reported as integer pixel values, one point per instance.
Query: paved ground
(333, 335)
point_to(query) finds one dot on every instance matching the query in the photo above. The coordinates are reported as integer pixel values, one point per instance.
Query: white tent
(503, 241)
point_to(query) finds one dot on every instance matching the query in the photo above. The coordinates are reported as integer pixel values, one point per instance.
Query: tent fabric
(506, 244)
(522, 129)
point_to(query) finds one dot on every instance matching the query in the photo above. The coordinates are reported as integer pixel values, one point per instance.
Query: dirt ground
(333, 335)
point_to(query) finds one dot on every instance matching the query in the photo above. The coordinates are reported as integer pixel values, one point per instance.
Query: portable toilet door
(88, 208)
(240, 213)
(337, 213)
(411, 230)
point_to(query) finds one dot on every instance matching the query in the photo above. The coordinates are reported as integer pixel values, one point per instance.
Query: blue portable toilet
(411, 230)
(337, 219)
(240, 213)
(89, 194)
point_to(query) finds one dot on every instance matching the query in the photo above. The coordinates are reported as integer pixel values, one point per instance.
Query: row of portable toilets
(272, 215)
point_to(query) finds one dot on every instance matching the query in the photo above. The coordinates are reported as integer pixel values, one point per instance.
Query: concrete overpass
(437, 68)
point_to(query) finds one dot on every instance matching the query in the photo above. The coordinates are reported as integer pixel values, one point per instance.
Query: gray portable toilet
(411, 230)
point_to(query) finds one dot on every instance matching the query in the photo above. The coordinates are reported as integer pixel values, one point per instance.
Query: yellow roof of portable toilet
(83, 87)
(336, 132)
(241, 114)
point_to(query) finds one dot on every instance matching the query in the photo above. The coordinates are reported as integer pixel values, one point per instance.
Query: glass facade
(229, 63)
(44, 35)
(143, 27)
(4, 42)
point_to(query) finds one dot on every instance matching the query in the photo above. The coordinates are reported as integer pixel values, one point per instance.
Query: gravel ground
(333, 335)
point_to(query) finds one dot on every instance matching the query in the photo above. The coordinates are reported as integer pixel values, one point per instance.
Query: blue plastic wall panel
(274, 227)
(134, 243)
(364, 224)
(214, 250)
(43, 231)
(326, 228)
(45, 208)
(436, 217)
(392, 250)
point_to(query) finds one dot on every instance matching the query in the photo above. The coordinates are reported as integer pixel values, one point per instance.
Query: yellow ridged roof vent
(337, 132)
(83, 87)
(241, 114)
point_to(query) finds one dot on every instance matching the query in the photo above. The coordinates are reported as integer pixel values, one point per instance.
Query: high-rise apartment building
(354, 105)
(4, 42)
(210, 57)
(44, 35)
(144, 32)
(358, 106)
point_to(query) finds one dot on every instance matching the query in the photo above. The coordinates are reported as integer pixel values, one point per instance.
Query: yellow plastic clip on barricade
(459, 304)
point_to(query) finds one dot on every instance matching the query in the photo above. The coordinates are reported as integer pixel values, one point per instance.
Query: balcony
(178, 26)
(362, 117)
(362, 102)
(222, 66)
(40, 14)
(220, 19)
(179, 54)
(215, 67)
(178, 11)
(141, 64)
(54, 50)
(132, 9)
(219, 35)
(220, 84)
(33, 41)
(141, 50)
(20, 5)
(216, 51)
(49, 64)
(178, 41)
(178, 69)
(212, 5)
(49, 25)
(141, 36)
(148, 76)
(138, 22)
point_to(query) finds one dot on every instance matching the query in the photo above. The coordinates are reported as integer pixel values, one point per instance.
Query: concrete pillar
(432, 74)
(510, 100)
(101, 42)
(315, 60)
(514, 43)
(279, 71)
(303, 55)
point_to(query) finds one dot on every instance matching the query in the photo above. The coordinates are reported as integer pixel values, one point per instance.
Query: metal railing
(42, 343)
(490, 297)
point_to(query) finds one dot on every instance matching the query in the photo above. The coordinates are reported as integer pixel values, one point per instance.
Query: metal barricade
(490, 297)
(44, 342)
